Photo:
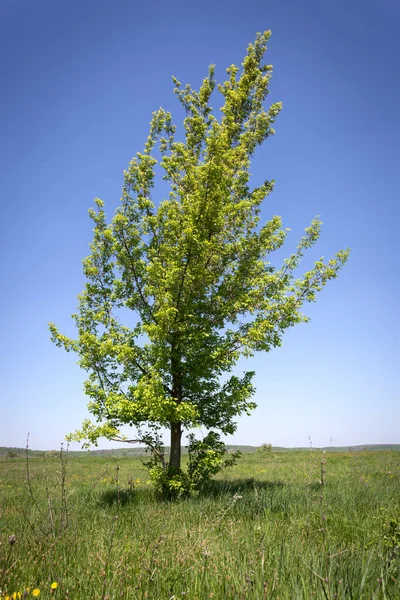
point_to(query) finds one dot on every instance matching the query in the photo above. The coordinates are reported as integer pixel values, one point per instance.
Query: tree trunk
(176, 427)
(175, 453)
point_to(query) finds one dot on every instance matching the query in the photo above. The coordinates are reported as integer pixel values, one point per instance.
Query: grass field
(265, 529)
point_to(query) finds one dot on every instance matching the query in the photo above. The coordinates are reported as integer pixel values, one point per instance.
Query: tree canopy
(177, 289)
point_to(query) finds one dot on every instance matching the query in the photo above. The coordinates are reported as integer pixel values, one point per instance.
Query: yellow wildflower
(54, 585)
(36, 592)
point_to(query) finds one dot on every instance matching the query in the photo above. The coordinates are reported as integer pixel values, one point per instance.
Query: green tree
(194, 271)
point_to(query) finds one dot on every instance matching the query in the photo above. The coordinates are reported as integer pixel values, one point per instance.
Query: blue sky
(80, 81)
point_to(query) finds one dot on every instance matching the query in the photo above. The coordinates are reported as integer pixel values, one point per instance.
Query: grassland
(265, 529)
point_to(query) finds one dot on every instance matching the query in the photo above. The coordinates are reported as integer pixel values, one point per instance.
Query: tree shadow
(114, 497)
(222, 487)
(216, 488)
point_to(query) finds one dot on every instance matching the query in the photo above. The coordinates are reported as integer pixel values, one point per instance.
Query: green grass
(264, 529)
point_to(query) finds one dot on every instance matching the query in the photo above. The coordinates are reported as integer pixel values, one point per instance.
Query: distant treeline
(6, 452)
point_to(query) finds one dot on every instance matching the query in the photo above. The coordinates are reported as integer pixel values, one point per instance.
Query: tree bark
(175, 453)
(176, 427)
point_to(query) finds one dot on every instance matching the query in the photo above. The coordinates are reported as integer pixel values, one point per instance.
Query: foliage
(265, 449)
(170, 482)
(207, 458)
(194, 272)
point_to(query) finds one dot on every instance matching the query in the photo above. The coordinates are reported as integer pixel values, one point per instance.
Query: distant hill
(6, 452)
(363, 448)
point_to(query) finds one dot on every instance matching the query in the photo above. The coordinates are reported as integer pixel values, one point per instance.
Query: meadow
(278, 525)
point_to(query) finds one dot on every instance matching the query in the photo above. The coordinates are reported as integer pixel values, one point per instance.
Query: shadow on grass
(220, 487)
(215, 489)
(116, 497)
(123, 497)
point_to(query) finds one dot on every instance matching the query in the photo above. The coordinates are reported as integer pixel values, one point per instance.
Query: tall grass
(266, 529)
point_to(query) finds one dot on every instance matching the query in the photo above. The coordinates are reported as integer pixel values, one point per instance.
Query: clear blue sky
(79, 83)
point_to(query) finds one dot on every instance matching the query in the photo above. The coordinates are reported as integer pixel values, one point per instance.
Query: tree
(265, 448)
(178, 290)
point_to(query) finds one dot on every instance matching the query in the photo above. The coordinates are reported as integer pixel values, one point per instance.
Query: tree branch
(135, 276)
